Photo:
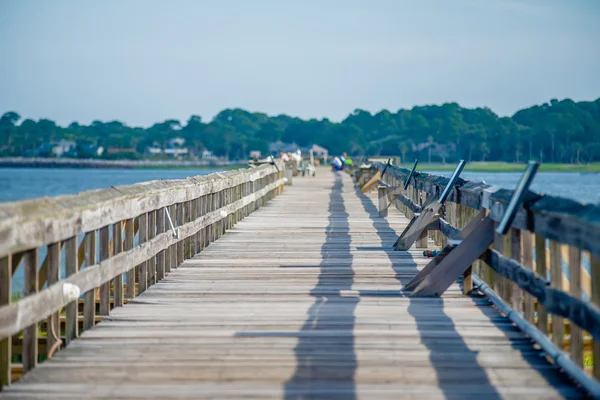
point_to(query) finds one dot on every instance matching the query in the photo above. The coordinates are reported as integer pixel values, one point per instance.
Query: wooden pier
(300, 297)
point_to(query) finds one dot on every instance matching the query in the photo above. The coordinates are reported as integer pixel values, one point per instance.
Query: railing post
(89, 303)
(5, 298)
(576, 341)
(383, 201)
(143, 267)
(105, 288)
(30, 335)
(159, 215)
(528, 263)
(130, 276)
(117, 248)
(540, 269)
(558, 327)
(173, 248)
(71, 313)
(180, 222)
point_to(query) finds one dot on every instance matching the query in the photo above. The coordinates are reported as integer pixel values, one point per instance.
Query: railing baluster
(30, 334)
(5, 298)
(540, 269)
(527, 249)
(130, 276)
(143, 267)
(595, 271)
(104, 255)
(89, 302)
(576, 334)
(117, 248)
(72, 312)
(558, 327)
(160, 257)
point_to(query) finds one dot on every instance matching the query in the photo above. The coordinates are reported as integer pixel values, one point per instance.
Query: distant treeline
(560, 131)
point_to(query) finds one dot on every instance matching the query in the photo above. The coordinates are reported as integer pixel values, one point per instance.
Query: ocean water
(583, 187)
(28, 183)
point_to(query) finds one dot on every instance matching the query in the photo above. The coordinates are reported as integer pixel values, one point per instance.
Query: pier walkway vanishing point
(300, 299)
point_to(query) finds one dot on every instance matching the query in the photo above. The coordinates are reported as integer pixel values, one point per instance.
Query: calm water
(28, 183)
(584, 188)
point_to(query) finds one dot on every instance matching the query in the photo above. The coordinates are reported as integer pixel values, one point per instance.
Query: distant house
(118, 150)
(63, 147)
(318, 151)
(255, 154)
(207, 155)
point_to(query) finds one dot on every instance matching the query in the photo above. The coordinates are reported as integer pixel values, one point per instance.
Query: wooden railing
(547, 268)
(141, 231)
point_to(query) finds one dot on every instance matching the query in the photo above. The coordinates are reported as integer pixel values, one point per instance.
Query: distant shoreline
(24, 162)
(508, 167)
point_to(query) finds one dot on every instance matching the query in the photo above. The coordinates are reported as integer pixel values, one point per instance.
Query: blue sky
(142, 61)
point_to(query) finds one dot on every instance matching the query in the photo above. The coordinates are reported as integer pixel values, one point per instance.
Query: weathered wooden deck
(300, 300)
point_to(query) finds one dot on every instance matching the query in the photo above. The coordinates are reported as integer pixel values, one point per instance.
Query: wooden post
(595, 271)
(130, 276)
(499, 247)
(105, 288)
(30, 335)
(5, 298)
(143, 267)
(180, 242)
(160, 257)
(383, 201)
(71, 312)
(528, 263)
(558, 326)
(576, 343)
(89, 303)
(53, 277)
(117, 248)
(173, 248)
(151, 263)
(540, 269)
(515, 254)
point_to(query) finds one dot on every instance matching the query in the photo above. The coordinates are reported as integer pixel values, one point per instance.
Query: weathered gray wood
(576, 342)
(151, 263)
(432, 265)
(180, 246)
(5, 340)
(30, 287)
(128, 245)
(67, 216)
(414, 230)
(558, 326)
(71, 268)
(16, 316)
(515, 254)
(457, 261)
(89, 306)
(528, 305)
(118, 248)
(540, 268)
(104, 234)
(173, 248)
(595, 299)
(143, 267)
(300, 301)
(160, 257)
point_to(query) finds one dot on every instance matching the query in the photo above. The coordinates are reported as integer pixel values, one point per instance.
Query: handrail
(198, 209)
(569, 228)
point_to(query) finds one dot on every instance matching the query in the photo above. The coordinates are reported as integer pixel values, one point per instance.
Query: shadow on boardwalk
(325, 355)
(450, 352)
(441, 349)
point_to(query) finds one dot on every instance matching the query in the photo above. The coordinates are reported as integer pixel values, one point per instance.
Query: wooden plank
(160, 257)
(558, 327)
(30, 334)
(118, 248)
(71, 268)
(540, 269)
(143, 267)
(66, 216)
(371, 182)
(130, 276)
(457, 261)
(104, 254)
(528, 303)
(89, 307)
(515, 254)
(576, 334)
(415, 228)
(5, 298)
(151, 263)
